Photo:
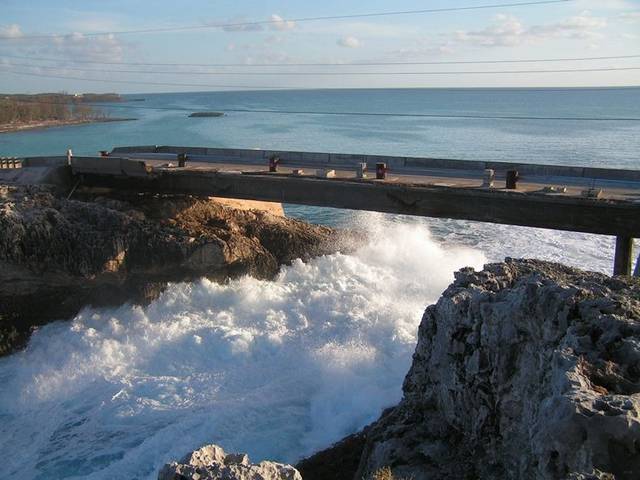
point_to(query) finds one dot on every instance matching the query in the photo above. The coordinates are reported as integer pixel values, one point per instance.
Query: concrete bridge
(583, 199)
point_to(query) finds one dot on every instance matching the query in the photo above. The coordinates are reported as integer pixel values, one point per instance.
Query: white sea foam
(278, 369)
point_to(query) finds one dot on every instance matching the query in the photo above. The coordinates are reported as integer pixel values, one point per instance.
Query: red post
(512, 179)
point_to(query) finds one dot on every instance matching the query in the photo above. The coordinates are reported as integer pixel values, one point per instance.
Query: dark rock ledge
(59, 255)
(525, 370)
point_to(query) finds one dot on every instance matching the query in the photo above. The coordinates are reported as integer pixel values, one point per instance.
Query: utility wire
(133, 82)
(427, 115)
(359, 114)
(296, 20)
(324, 74)
(170, 84)
(253, 87)
(355, 64)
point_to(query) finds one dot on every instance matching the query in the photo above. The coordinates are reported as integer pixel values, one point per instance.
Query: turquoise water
(283, 368)
(613, 144)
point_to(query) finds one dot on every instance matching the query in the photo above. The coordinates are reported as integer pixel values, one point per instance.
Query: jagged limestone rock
(526, 369)
(212, 463)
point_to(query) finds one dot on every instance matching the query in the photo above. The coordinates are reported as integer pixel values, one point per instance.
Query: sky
(570, 29)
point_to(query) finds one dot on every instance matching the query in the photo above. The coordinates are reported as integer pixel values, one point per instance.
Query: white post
(489, 177)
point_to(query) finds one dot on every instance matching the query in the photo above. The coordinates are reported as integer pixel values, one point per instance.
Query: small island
(206, 114)
(27, 112)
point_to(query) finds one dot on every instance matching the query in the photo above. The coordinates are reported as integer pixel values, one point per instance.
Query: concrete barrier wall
(612, 174)
(170, 157)
(56, 161)
(395, 163)
(138, 149)
(109, 166)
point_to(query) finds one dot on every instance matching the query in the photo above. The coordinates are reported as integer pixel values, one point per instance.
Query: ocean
(282, 368)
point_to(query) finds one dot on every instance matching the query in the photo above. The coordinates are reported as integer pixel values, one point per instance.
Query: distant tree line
(18, 109)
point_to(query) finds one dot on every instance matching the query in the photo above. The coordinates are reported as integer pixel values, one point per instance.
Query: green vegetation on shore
(51, 107)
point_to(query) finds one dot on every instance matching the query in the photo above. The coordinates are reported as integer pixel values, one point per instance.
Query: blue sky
(579, 28)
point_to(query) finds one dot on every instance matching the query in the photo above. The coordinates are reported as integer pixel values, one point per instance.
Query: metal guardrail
(10, 162)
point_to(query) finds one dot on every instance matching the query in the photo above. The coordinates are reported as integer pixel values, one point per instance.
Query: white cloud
(10, 31)
(76, 46)
(258, 55)
(349, 42)
(79, 21)
(364, 29)
(422, 49)
(99, 48)
(506, 30)
(631, 17)
(240, 24)
(580, 26)
(275, 39)
(280, 24)
(605, 5)
(509, 31)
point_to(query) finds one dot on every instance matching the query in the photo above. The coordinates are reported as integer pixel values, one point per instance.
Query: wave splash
(275, 368)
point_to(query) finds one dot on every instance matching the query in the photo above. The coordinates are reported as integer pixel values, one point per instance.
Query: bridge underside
(589, 215)
(581, 199)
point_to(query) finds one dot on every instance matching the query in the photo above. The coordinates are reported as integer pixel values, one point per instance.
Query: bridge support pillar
(623, 256)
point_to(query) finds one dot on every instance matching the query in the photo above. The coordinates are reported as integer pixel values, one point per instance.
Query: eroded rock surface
(212, 463)
(339, 462)
(58, 255)
(524, 370)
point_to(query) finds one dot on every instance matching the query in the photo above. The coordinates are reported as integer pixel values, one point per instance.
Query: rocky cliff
(212, 463)
(527, 370)
(58, 255)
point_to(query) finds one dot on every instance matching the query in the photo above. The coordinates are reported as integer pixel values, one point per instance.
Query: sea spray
(582, 250)
(278, 369)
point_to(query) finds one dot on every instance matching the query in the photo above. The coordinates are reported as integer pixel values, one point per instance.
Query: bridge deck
(437, 193)
(611, 189)
(426, 187)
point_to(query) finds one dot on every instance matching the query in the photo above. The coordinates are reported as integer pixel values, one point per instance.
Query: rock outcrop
(212, 463)
(526, 369)
(339, 462)
(58, 255)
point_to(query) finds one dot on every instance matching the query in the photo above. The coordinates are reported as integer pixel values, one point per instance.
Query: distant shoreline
(42, 124)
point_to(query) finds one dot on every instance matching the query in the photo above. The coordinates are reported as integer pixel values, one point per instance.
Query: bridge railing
(397, 163)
